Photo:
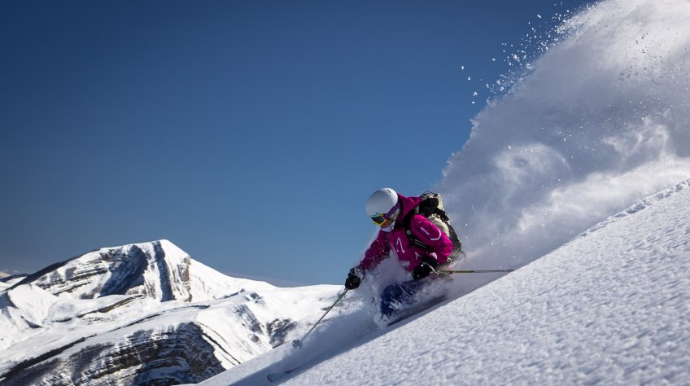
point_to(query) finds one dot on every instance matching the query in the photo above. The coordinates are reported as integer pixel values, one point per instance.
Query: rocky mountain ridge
(142, 314)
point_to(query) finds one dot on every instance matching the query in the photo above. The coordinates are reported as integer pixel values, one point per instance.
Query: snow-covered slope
(8, 281)
(142, 313)
(610, 307)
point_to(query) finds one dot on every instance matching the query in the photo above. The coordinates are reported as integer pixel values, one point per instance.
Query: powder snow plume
(601, 120)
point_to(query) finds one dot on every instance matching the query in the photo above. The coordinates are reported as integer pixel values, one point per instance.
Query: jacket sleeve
(431, 235)
(377, 252)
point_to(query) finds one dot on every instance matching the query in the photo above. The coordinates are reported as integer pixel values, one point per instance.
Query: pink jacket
(409, 254)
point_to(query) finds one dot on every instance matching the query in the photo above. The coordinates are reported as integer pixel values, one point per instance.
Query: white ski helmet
(381, 202)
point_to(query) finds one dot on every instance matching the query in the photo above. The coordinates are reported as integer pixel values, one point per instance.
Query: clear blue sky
(249, 133)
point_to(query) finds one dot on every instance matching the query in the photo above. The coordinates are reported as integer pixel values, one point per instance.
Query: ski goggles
(379, 218)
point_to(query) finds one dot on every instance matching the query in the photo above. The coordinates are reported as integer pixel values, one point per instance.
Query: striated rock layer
(142, 314)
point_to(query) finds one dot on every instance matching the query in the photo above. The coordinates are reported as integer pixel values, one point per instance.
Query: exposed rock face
(141, 314)
(133, 269)
(174, 356)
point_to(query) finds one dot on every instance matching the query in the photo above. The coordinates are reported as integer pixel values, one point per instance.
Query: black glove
(424, 268)
(354, 279)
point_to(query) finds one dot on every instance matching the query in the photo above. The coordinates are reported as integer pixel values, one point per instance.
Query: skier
(389, 210)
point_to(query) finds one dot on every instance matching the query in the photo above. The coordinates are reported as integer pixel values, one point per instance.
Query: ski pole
(469, 271)
(476, 271)
(298, 342)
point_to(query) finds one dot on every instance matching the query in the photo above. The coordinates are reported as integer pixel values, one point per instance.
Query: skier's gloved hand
(354, 278)
(424, 268)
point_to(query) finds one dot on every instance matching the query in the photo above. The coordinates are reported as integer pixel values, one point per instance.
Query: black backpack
(431, 207)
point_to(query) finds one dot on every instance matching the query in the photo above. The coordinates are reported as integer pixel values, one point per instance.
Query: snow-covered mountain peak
(158, 270)
(142, 314)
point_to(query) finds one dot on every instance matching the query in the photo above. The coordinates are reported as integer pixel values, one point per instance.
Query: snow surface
(610, 307)
(8, 281)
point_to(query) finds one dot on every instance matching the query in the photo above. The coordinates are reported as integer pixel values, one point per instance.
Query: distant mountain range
(142, 314)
